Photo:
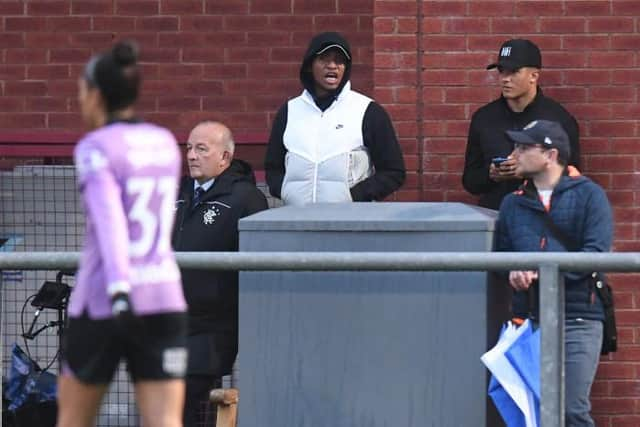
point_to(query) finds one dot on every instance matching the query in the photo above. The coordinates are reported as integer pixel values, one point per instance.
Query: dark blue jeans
(583, 340)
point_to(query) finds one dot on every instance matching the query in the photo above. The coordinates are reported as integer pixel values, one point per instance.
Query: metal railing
(548, 264)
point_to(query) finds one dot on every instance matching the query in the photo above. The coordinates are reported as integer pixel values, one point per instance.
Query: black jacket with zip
(212, 226)
(487, 140)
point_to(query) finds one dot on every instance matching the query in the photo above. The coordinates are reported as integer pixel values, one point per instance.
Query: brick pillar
(396, 82)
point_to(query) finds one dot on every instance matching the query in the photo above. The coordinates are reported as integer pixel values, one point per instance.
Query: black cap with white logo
(517, 53)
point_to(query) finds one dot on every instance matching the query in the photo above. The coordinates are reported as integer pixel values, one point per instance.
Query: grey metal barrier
(548, 264)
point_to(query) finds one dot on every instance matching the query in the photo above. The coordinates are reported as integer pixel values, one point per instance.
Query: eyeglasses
(527, 147)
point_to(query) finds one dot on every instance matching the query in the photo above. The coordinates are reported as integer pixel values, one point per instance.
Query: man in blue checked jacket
(580, 210)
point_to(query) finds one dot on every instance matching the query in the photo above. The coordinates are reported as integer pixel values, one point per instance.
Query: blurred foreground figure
(127, 302)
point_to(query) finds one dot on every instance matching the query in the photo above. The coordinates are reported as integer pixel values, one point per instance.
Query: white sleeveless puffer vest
(326, 155)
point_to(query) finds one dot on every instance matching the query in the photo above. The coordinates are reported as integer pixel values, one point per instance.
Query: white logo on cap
(547, 140)
(530, 125)
(506, 51)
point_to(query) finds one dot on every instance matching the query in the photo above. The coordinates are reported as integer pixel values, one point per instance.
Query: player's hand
(522, 280)
(120, 305)
(126, 320)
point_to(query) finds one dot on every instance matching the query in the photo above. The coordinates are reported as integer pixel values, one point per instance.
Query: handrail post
(551, 285)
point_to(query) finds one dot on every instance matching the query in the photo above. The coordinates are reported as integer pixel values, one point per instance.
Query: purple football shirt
(128, 176)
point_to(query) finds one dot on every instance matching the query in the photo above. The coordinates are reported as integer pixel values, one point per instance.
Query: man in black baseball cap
(490, 167)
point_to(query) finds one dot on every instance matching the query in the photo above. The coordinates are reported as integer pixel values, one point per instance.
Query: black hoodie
(377, 132)
(318, 43)
(210, 226)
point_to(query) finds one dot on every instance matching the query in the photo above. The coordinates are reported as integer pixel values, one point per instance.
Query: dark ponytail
(116, 74)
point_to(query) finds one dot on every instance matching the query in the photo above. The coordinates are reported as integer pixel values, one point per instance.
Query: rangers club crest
(210, 215)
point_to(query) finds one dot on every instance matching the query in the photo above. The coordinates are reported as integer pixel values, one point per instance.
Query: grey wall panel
(379, 348)
(365, 348)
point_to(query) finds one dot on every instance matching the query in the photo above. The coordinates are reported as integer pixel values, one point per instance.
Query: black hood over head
(318, 43)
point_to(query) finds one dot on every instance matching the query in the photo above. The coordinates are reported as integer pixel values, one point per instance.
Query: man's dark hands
(506, 171)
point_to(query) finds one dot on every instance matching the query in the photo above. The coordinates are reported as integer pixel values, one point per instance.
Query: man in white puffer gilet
(332, 144)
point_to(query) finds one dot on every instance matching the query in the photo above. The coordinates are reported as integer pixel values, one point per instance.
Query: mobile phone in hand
(498, 160)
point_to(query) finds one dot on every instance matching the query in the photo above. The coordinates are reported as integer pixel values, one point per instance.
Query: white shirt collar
(206, 186)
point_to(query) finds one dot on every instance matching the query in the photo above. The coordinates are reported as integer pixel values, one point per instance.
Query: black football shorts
(153, 347)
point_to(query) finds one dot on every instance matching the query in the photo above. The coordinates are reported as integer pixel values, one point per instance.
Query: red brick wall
(429, 59)
(230, 60)
(237, 61)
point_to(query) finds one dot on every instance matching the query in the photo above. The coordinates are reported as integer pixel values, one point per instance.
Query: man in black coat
(219, 191)
(522, 101)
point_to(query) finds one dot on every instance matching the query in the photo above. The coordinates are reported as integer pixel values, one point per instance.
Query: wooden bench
(226, 400)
